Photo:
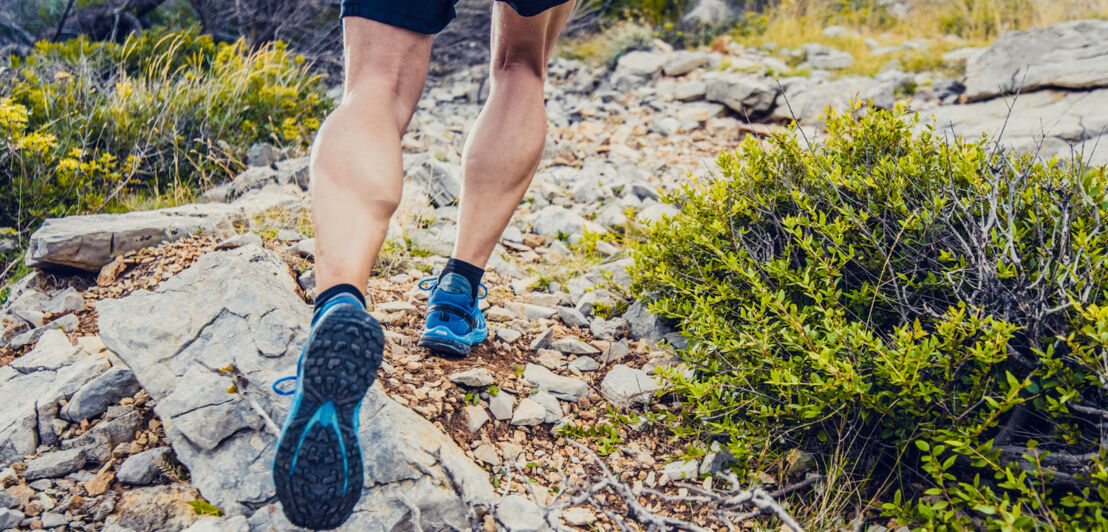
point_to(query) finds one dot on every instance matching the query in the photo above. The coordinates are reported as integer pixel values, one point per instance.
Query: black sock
(471, 273)
(336, 291)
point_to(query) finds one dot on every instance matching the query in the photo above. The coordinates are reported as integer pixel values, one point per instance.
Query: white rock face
(172, 336)
(1071, 55)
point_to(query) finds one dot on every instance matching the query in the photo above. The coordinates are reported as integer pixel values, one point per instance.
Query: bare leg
(506, 144)
(356, 168)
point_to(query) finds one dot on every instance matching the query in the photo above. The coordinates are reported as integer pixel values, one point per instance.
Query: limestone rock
(635, 68)
(475, 418)
(686, 470)
(625, 386)
(572, 318)
(98, 394)
(517, 513)
(740, 92)
(263, 154)
(52, 351)
(143, 468)
(584, 364)
(88, 242)
(528, 413)
(573, 346)
(566, 388)
(10, 519)
(553, 221)
(474, 378)
(808, 101)
(643, 324)
(178, 338)
(55, 464)
(501, 405)
(684, 61)
(1045, 122)
(1070, 55)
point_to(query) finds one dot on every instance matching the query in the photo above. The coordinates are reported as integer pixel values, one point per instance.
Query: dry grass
(945, 25)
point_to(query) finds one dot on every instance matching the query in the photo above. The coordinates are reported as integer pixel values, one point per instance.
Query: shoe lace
(277, 383)
(430, 283)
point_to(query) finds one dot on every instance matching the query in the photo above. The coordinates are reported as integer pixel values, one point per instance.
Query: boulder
(743, 93)
(1070, 55)
(636, 68)
(199, 358)
(88, 242)
(685, 61)
(808, 101)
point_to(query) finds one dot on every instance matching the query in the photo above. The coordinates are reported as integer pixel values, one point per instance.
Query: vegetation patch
(927, 321)
(100, 126)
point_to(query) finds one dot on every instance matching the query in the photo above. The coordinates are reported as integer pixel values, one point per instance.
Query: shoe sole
(449, 345)
(318, 469)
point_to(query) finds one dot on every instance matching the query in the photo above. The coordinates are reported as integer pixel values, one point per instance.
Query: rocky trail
(137, 360)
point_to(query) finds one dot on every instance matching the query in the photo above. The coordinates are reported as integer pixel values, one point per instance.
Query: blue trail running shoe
(454, 323)
(318, 468)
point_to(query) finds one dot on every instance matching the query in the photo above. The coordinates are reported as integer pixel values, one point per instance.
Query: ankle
(471, 273)
(346, 291)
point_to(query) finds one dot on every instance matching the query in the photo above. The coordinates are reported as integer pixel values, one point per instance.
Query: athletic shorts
(428, 16)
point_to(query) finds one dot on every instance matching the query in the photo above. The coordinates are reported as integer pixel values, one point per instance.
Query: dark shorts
(428, 16)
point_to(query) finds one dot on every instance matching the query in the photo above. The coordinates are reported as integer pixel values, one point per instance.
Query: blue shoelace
(482, 290)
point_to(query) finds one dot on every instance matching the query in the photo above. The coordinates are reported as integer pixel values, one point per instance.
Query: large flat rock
(1050, 123)
(210, 341)
(1070, 55)
(88, 242)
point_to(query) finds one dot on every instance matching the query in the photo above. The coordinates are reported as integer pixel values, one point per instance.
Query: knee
(518, 67)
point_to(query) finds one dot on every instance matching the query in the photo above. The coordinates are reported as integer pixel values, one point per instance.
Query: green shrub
(85, 124)
(935, 313)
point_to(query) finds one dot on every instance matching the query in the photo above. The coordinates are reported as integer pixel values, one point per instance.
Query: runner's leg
(506, 144)
(356, 168)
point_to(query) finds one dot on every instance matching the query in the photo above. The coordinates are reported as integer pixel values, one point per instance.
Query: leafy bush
(84, 124)
(935, 313)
